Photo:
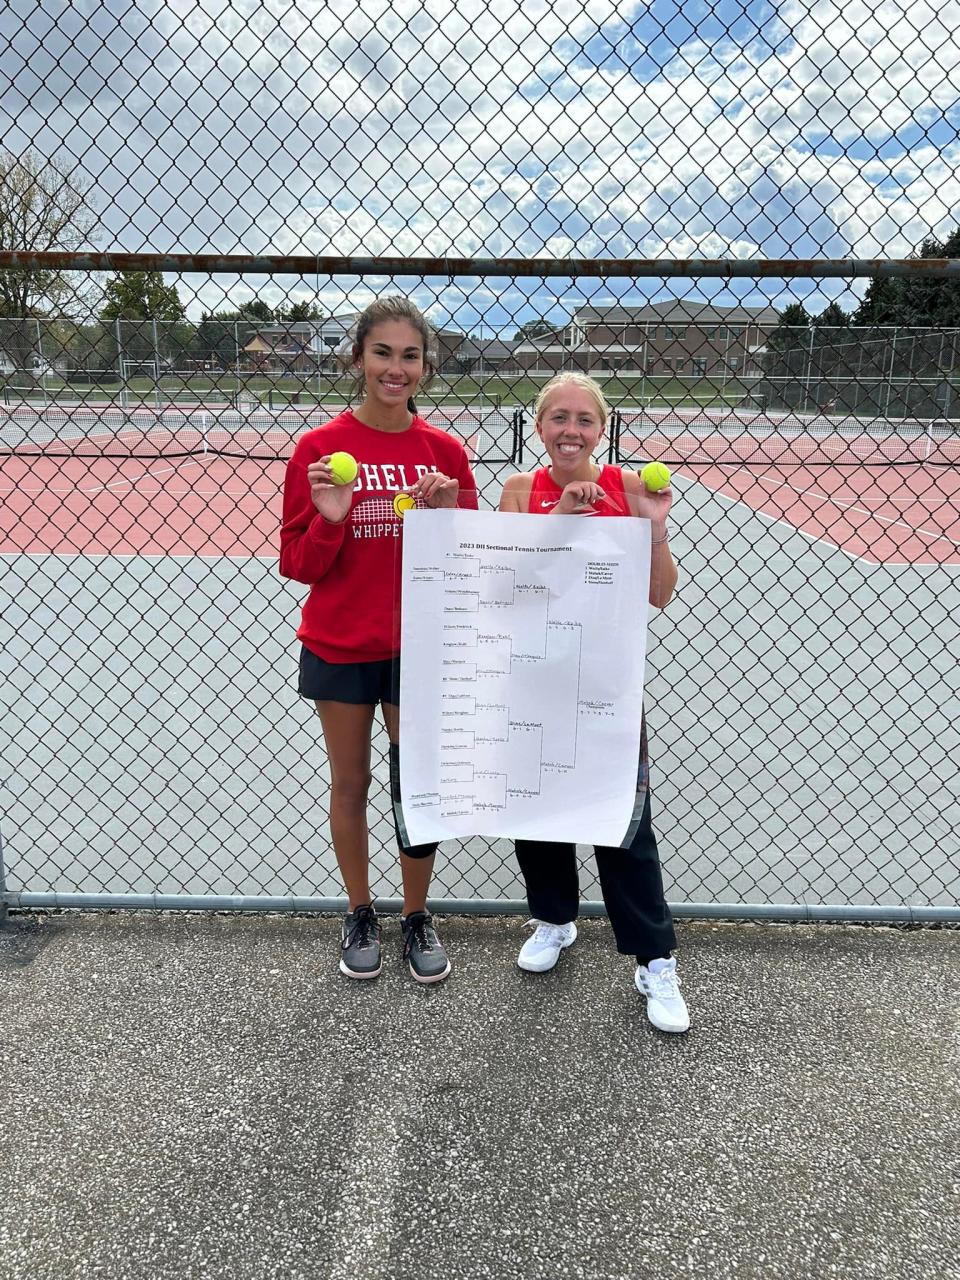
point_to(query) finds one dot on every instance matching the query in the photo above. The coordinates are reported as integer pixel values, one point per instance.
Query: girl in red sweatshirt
(344, 540)
(571, 415)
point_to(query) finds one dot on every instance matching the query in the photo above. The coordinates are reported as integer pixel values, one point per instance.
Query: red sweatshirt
(353, 569)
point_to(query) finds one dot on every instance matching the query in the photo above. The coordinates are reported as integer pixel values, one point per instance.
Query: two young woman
(344, 541)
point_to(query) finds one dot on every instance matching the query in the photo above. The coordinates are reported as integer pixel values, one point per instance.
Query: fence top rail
(603, 268)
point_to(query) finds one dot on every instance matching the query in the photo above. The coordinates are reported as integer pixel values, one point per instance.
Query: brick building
(659, 340)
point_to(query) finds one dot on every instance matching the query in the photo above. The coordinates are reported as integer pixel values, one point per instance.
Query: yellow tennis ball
(403, 503)
(343, 467)
(655, 476)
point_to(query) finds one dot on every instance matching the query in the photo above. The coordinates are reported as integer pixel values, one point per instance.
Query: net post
(519, 421)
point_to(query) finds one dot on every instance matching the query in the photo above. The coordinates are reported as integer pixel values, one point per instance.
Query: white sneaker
(666, 1007)
(541, 951)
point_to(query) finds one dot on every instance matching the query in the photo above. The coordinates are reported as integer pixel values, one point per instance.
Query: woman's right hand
(578, 496)
(331, 500)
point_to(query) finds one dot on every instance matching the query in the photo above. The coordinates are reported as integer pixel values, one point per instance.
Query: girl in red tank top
(545, 494)
(570, 418)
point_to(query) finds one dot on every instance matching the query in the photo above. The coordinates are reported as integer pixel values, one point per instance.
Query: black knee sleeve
(411, 851)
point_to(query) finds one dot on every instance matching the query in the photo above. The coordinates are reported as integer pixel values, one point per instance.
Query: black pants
(630, 881)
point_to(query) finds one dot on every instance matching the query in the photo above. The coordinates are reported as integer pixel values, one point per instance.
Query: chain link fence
(184, 191)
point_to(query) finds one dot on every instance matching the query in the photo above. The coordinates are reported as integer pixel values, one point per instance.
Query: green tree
(881, 304)
(785, 362)
(257, 310)
(935, 300)
(146, 318)
(299, 311)
(792, 324)
(832, 316)
(141, 295)
(222, 335)
(43, 206)
(535, 329)
(215, 338)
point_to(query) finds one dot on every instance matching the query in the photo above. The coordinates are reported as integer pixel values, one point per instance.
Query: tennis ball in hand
(655, 476)
(343, 467)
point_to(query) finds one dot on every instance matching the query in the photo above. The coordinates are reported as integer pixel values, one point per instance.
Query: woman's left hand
(437, 490)
(652, 506)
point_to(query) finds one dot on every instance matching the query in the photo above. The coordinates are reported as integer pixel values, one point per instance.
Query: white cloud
(483, 128)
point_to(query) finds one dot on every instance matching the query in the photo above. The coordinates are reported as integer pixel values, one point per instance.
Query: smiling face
(392, 363)
(571, 425)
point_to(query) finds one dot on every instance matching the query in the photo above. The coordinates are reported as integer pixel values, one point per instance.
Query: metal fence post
(890, 372)
(3, 886)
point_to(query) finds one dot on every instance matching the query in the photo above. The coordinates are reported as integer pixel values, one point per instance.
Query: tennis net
(488, 434)
(704, 437)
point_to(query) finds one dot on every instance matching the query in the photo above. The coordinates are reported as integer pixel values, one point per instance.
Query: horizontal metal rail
(602, 268)
(837, 912)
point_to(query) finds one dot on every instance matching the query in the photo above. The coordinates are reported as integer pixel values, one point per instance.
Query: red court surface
(882, 493)
(885, 515)
(211, 506)
(201, 506)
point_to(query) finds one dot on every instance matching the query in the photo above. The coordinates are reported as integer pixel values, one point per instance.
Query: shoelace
(360, 932)
(417, 936)
(547, 935)
(666, 984)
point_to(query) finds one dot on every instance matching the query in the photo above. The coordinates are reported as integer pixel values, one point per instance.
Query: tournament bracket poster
(522, 662)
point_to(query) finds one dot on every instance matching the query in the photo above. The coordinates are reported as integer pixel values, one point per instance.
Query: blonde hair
(580, 380)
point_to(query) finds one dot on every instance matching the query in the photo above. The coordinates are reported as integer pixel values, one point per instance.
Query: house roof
(691, 311)
(275, 332)
(485, 349)
(306, 329)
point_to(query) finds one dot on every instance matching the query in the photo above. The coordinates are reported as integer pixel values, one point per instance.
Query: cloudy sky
(498, 128)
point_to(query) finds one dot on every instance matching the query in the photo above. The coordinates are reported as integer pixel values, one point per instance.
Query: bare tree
(43, 206)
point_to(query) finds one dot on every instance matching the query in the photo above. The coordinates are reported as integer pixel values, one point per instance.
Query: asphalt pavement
(205, 1095)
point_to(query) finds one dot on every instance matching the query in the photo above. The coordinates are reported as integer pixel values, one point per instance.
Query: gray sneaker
(422, 949)
(360, 943)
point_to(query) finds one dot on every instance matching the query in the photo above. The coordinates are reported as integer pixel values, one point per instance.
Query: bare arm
(516, 493)
(654, 507)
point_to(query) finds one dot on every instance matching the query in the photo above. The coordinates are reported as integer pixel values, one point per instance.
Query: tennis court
(884, 492)
(796, 689)
(206, 482)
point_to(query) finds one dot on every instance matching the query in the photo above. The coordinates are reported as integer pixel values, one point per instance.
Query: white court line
(909, 502)
(863, 511)
(130, 481)
(852, 506)
(829, 542)
(762, 515)
(784, 524)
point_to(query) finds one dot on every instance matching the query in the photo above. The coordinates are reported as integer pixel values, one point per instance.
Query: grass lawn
(276, 392)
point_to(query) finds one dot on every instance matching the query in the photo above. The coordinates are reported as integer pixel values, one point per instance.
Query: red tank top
(545, 493)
